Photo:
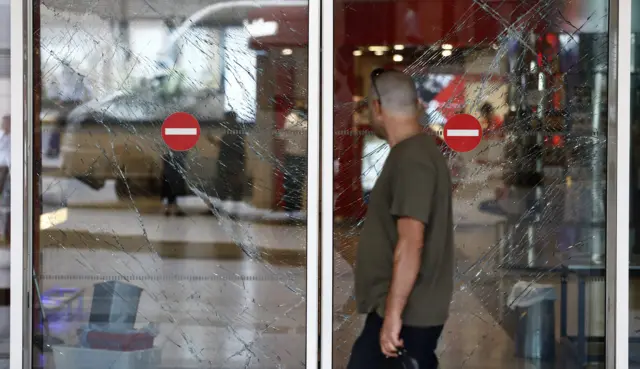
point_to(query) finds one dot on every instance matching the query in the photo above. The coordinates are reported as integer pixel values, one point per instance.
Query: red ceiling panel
(416, 22)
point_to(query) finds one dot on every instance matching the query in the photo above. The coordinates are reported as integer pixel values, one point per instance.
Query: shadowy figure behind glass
(173, 182)
(230, 181)
(66, 92)
(5, 170)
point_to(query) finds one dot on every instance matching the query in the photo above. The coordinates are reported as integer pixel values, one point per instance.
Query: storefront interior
(216, 256)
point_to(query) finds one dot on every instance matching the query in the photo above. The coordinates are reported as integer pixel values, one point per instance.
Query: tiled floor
(228, 294)
(231, 294)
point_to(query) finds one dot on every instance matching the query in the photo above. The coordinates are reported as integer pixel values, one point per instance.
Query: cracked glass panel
(528, 202)
(149, 257)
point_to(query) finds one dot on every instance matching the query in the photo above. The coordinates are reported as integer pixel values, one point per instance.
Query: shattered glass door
(528, 201)
(149, 256)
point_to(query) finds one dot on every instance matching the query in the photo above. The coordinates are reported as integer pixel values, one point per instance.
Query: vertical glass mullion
(313, 186)
(618, 166)
(20, 207)
(326, 224)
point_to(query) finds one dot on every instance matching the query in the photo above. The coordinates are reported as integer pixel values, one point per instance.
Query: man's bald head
(398, 93)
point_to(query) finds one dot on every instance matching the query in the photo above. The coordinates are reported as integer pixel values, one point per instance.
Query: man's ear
(377, 108)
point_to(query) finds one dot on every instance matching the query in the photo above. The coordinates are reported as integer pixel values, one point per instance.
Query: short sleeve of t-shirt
(412, 191)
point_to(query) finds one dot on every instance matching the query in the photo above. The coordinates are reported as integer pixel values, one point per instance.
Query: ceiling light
(379, 52)
(398, 47)
(287, 51)
(357, 52)
(397, 58)
(446, 52)
(447, 46)
(260, 28)
(378, 48)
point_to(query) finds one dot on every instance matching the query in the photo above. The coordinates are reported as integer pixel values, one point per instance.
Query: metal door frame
(618, 177)
(321, 23)
(22, 180)
(618, 165)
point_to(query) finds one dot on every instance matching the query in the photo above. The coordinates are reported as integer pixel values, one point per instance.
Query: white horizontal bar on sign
(180, 131)
(463, 132)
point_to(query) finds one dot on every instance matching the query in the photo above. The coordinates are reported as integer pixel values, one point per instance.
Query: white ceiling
(119, 9)
(591, 14)
(156, 9)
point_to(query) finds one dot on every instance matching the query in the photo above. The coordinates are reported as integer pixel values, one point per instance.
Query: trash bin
(535, 331)
(115, 305)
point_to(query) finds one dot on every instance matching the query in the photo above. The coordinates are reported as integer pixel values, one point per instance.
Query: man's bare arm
(406, 264)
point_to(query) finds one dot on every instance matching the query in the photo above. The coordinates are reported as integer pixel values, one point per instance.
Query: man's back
(415, 182)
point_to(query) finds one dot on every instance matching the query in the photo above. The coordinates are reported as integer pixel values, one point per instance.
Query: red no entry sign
(462, 133)
(180, 131)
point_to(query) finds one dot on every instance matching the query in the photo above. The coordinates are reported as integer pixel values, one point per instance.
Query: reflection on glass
(5, 180)
(157, 258)
(374, 155)
(528, 202)
(634, 195)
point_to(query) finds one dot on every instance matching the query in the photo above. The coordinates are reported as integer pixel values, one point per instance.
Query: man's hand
(390, 340)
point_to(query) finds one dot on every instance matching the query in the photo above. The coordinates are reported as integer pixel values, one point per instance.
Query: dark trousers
(419, 342)
(173, 182)
(65, 107)
(230, 184)
(54, 141)
(295, 174)
(171, 199)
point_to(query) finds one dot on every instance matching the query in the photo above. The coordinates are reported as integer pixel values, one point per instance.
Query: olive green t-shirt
(415, 182)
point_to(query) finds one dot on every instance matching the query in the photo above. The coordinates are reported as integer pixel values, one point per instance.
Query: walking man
(405, 258)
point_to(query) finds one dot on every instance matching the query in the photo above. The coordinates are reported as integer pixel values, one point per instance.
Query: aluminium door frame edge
(618, 183)
(327, 188)
(313, 186)
(21, 207)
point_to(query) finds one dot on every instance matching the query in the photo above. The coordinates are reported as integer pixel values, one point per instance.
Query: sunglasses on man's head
(374, 75)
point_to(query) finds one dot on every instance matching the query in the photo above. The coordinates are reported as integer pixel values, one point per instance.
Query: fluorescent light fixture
(287, 51)
(447, 46)
(260, 28)
(397, 58)
(378, 48)
(398, 47)
(357, 52)
(379, 52)
(446, 52)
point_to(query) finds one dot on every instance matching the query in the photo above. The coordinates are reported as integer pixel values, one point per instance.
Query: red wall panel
(408, 22)
(284, 102)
